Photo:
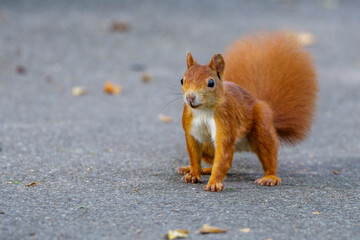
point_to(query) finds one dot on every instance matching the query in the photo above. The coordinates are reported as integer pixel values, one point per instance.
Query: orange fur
(275, 69)
(264, 89)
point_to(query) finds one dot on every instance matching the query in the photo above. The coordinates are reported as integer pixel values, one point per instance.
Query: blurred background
(82, 84)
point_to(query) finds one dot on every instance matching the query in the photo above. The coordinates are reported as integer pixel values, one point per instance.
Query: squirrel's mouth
(194, 106)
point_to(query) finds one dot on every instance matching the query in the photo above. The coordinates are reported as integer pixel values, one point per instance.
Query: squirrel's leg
(222, 162)
(194, 151)
(264, 143)
(208, 152)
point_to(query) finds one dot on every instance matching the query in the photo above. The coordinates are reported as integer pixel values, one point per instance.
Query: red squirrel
(265, 93)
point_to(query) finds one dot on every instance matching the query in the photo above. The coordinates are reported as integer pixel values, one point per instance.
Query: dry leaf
(336, 172)
(146, 78)
(317, 212)
(120, 26)
(178, 233)
(306, 39)
(245, 230)
(165, 119)
(209, 229)
(79, 91)
(31, 184)
(123, 182)
(111, 88)
(41, 181)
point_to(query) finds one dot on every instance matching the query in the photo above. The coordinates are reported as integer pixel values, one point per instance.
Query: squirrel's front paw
(191, 177)
(214, 187)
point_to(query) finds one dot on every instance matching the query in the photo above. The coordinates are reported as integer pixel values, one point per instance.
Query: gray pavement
(105, 165)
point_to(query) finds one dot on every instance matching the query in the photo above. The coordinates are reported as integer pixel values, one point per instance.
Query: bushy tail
(275, 69)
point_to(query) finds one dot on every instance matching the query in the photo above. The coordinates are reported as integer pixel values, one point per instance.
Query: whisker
(164, 105)
(164, 95)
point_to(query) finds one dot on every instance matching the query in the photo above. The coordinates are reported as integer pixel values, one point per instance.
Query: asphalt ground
(105, 166)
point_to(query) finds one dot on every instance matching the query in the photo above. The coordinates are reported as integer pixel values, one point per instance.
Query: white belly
(203, 126)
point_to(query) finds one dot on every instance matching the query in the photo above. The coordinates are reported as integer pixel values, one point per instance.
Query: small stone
(138, 67)
(48, 78)
(20, 69)
(79, 91)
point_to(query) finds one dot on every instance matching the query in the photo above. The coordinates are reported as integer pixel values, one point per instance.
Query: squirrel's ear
(189, 60)
(217, 64)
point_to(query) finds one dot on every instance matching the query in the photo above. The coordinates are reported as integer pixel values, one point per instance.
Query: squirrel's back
(275, 69)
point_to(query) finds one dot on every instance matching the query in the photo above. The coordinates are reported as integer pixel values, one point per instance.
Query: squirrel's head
(202, 85)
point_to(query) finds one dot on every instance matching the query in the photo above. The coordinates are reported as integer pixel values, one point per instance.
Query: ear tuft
(189, 60)
(217, 64)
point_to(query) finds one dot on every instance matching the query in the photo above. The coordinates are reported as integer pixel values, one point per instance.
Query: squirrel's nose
(190, 98)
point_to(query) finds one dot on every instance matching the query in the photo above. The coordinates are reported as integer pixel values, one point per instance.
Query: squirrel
(264, 95)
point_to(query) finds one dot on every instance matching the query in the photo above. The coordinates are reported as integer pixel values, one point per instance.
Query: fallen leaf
(122, 182)
(41, 181)
(20, 69)
(209, 229)
(336, 172)
(136, 189)
(79, 91)
(178, 233)
(111, 88)
(165, 119)
(14, 182)
(245, 230)
(31, 184)
(145, 77)
(119, 26)
(306, 39)
(317, 212)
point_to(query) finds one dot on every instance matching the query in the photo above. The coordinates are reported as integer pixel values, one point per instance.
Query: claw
(218, 187)
(191, 178)
(269, 180)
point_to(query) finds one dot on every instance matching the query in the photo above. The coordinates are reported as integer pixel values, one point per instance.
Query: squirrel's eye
(211, 83)
(182, 81)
